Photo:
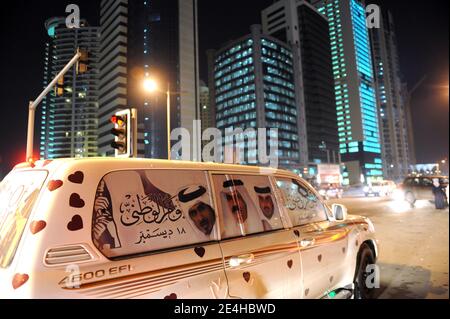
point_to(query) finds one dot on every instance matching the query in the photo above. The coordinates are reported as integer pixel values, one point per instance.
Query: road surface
(414, 244)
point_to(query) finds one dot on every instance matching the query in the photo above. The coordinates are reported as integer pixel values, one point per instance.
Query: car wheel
(410, 198)
(366, 258)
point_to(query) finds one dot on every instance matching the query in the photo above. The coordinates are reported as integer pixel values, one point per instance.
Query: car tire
(410, 198)
(365, 258)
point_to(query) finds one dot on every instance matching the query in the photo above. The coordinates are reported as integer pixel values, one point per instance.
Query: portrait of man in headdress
(201, 214)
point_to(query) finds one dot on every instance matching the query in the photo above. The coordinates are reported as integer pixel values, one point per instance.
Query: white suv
(110, 228)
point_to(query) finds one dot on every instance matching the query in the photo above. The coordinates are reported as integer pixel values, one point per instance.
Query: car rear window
(145, 211)
(18, 193)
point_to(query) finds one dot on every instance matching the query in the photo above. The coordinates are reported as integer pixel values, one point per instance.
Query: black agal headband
(265, 190)
(233, 183)
(189, 197)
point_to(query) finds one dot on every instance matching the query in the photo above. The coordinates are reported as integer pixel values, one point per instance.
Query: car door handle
(307, 242)
(241, 260)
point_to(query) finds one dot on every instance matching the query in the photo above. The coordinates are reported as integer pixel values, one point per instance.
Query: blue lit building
(68, 122)
(254, 87)
(355, 86)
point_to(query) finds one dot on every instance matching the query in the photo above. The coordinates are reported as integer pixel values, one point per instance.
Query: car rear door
(159, 231)
(262, 259)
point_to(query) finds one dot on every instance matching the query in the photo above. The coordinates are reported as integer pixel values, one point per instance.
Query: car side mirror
(339, 212)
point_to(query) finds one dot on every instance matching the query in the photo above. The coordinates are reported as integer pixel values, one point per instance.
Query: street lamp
(151, 86)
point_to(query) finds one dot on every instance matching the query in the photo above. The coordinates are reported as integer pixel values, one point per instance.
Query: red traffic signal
(118, 120)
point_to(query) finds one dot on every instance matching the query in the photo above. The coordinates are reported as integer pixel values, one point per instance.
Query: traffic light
(59, 88)
(122, 131)
(82, 64)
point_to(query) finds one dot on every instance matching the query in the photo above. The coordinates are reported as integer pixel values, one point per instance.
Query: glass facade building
(393, 103)
(68, 121)
(254, 88)
(148, 39)
(305, 30)
(355, 87)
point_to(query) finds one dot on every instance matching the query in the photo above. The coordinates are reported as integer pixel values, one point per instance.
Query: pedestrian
(440, 197)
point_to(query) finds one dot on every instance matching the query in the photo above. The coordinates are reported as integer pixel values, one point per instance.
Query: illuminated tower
(69, 121)
(393, 102)
(254, 88)
(355, 86)
(141, 39)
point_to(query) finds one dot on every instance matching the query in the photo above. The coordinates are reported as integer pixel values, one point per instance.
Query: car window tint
(142, 211)
(247, 205)
(302, 205)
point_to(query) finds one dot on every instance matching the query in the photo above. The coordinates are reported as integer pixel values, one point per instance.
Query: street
(414, 245)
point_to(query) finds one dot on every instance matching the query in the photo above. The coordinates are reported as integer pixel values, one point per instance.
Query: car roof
(111, 164)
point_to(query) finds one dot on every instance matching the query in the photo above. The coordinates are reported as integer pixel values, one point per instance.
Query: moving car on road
(421, 188)
(132, 228)
(331, 191)
(380, 189)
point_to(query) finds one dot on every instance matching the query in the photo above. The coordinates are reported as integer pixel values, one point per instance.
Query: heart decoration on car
(76, 223)
(171, 297)
(37, 226)
(200, 251)
(19, 280)
(76, 201)
(290, 263)
(247, 276)
(77, 178)
(54, 185)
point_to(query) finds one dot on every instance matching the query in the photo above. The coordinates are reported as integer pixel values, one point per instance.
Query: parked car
(421, 188)
(331, 191)
(380, 189)
(126, 228)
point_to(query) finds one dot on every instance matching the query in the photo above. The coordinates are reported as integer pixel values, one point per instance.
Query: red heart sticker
(54, 185)
(37, 226)
(19, 280)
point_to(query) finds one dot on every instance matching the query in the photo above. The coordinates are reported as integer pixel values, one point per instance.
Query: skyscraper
(143, 39)
(69, 122)
(393, 103)
(254, 88)
(302, 27)
(205, 108)
(355, 86)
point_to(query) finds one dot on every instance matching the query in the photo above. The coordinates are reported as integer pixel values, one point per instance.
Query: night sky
(422, 30)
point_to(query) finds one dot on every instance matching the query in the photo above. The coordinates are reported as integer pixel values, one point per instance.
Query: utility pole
(34, 104)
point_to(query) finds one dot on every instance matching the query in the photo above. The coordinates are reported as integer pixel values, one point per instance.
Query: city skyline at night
(433, 128)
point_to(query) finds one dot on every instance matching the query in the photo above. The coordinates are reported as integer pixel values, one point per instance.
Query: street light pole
(169, 155)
